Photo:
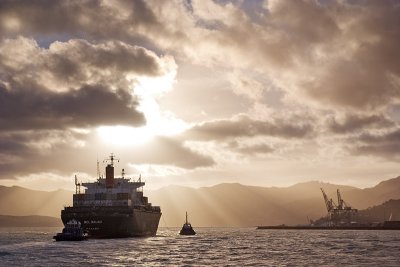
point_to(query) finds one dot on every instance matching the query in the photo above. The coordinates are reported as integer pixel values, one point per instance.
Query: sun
(124, 135)
(158, 122)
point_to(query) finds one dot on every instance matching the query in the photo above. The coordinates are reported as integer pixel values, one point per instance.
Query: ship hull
(111, 222)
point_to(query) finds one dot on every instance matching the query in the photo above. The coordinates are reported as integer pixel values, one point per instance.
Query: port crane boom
(328, 202)
(340, 200)
(340, 214)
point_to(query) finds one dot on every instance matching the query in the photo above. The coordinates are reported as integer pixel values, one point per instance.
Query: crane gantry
(339, 214)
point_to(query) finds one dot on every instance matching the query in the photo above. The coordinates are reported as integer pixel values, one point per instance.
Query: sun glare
(124, 135)
(158, 123)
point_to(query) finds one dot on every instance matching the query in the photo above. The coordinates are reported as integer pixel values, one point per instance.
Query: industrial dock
(340, 216)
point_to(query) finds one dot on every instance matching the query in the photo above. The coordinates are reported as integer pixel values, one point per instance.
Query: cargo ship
(113, 207)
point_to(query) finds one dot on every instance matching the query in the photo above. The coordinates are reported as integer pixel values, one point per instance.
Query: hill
(220, 205)
(19, 201)
(240, 205)
(387, 211)
(29, 221)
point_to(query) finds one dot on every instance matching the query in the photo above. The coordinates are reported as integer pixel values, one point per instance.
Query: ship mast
(111, 159)
(77, 186)
(98, 169)
(110, 171)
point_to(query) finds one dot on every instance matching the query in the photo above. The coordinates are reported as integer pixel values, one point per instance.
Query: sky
(197, 93)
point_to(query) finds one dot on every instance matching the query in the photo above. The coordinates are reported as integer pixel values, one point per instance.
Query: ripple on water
(211, 246)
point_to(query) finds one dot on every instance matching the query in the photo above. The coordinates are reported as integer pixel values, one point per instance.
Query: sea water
(210, 247)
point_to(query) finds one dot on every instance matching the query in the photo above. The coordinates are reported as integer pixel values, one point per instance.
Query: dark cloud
(45, 92)
(87, 107)
(168, 151)
(385, 145)
(296, 34)
(84, 80)
(75, 56)
(333, 53)
(252, 149)
(388, 137)
(72, 84)
(73, 63)
(357, 122)
(22, 153)
(90, 19)
(25, 152)
(247, 127)
(11, 146)
(351, 84)
(355, 42)
(341, 55)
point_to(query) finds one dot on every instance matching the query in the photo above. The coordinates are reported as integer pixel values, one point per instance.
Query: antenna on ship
(123, 173)
(140, 188)
(111, 159)
(77, 186)
(98, 169)
(110, 171)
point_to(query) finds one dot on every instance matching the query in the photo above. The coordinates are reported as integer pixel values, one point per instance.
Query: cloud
(385, 145)
(111, 55)
(69, 151)
(168, 151)
(23, 152)
(87, 107)
(244, 126)
(246, 86)
(345, 57)
(72, 84)
(78, 64)
(100, 19)
(355, 42)
(251, 149)
(75, 63)
(351, 123)
(46, 93)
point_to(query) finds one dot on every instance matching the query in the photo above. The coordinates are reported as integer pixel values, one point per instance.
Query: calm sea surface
(211, 246)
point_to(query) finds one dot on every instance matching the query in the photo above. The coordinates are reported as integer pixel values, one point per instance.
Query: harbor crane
(328, 202)
(340, 214)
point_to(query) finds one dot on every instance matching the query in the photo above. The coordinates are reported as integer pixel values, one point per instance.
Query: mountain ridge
(29, 221)
(225, 204)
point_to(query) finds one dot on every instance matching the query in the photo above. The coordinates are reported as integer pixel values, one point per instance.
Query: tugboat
(187, 228)
(113, 207)
(71, 232)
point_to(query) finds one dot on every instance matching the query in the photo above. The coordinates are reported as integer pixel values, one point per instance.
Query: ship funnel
(109, 175)
(110, 171)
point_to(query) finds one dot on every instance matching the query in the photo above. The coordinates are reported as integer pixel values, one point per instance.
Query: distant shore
(349, 227)
(29, 221)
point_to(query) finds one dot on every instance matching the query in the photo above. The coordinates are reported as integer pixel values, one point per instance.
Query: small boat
(71, 232)
(187, 228)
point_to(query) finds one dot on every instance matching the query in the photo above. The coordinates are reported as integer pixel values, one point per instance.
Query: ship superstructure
(113, 207)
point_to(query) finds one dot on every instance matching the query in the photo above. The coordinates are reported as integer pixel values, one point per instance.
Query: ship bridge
(111, 191)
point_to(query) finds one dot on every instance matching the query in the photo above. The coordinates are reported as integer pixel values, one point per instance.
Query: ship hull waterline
(135, 223)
